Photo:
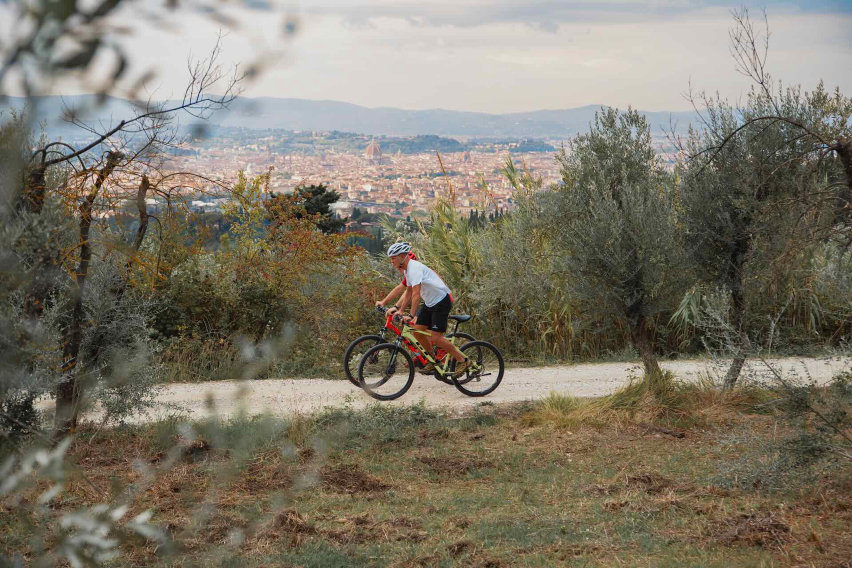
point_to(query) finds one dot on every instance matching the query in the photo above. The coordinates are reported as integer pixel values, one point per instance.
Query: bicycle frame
(407, 336)
(408, 340)
(389, 326)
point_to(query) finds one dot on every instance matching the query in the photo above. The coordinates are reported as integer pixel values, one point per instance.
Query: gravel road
(287, 396)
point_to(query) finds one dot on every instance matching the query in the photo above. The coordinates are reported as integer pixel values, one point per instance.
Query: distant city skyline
(499, 56)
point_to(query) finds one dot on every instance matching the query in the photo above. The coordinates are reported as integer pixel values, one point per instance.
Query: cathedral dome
(373, 151)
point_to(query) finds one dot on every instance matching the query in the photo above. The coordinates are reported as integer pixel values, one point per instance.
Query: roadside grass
(189, 360)
(662, 401)
(563, 482)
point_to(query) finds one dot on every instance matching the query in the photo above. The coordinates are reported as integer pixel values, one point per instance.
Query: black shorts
(435, 318)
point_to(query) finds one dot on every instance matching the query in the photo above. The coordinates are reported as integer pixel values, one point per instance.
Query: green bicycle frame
(408, 337)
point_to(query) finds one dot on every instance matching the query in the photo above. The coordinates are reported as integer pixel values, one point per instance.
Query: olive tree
(120, 162)
(730, 210)
(762, 182)
(815, 126)
(614, 231)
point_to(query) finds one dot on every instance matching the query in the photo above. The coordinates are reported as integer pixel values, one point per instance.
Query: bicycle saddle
(461, 318)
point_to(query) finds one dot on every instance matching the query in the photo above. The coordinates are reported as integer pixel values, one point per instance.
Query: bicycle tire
(350, 367)
(463, 335)
(468, 339)
(381, 362)
(490, 361)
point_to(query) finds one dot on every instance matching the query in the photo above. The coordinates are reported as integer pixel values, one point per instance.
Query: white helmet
(399, 248)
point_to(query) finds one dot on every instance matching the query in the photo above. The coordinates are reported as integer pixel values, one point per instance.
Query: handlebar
(383, 310)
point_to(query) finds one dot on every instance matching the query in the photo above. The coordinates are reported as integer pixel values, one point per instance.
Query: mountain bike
(386, 371)
(355, 351)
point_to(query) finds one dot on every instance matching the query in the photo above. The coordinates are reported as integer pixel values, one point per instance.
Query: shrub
(813, 422)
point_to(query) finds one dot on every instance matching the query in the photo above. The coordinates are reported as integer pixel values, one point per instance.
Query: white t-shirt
(432, 288)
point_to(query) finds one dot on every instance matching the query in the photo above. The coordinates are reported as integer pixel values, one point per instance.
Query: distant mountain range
(301, 114)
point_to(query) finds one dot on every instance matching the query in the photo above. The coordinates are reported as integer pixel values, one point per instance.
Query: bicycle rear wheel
(353, 354)
(386, 371)
(485, 372)
(464, 337)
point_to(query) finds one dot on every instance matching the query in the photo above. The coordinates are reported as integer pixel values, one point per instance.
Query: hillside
(301, 114)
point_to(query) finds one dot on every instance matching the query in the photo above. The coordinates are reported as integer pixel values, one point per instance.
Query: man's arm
(415, 299)
(399, 288)
(403, 301)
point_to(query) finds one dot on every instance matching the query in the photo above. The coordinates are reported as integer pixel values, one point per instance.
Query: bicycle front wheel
(355, 352)
(485, 371)
(386, 371)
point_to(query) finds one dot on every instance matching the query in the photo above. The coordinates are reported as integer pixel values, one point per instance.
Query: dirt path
(286, 396)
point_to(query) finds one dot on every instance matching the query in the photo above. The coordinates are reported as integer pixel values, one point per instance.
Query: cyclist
(400, 288)
(431, 318)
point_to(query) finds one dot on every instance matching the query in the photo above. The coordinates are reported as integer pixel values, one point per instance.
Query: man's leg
(444, 343)
(424, 336)
(438, 322)
(424, 321)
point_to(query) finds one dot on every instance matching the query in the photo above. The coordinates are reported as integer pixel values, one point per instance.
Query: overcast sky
(505, 55)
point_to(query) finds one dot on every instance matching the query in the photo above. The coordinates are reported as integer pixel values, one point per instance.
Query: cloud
(544, 15)
(493, 56)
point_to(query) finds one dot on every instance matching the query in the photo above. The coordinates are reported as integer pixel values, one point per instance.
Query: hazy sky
(504, 55)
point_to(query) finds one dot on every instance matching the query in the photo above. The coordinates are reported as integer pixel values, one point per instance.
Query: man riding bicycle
(431, 319)
(400, 290)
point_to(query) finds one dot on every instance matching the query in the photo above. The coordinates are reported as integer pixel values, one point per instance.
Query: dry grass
(663, 401)
(505, 491)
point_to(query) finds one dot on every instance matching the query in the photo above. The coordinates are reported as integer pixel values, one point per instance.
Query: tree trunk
(737, 312)
(141, 194)
(39, 284)
(69, 390)
(139, 238)
(117, 291)
(843, 210)
(641, 332)
(642, 337)
(35, 190)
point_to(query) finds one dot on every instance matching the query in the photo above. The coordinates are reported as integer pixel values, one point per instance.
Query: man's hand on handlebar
(394, 312)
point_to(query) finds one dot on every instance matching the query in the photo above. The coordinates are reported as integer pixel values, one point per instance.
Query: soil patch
(196, 450)
(572, 551)
(486, 562)
(351, 479)
(651, 483)
(458, 548)
(364, 528)
(266, 473)
(764, 531)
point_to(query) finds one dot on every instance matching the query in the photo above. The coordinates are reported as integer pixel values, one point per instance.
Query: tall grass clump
(662, 401)
(557, 409)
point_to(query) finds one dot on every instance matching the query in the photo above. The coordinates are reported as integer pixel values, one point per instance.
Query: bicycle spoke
(385, 372)
(485, 371)
(355, 352)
